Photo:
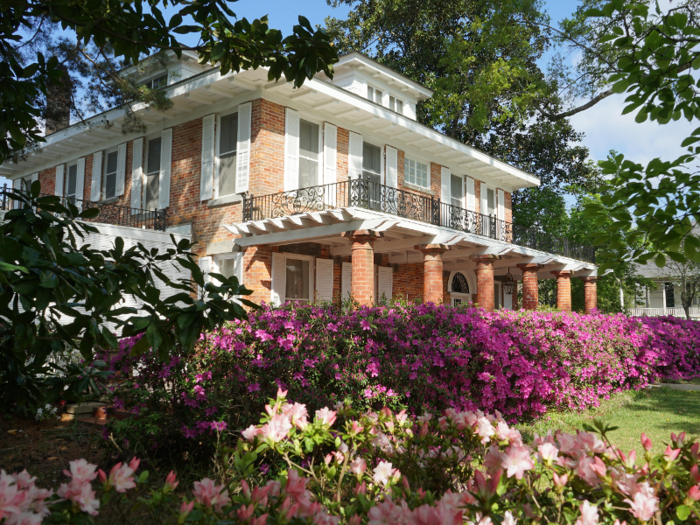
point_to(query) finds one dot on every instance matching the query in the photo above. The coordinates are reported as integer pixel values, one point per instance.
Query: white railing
(656, 312)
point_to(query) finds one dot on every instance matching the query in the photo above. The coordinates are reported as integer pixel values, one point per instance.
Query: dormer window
(374, 94)
(157, 82)
(395, 104)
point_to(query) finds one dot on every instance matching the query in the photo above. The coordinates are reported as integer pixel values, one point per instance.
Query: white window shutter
(206, 182)
(385, 283)
(330, 153)
(446, 185)
(80, 180)
(324, 279)
(35, 177)
(346, 281)
(392, 167)
(245, 112)
(291, 150)
(355, 156)
(121, 168)
(206, 264)
(238, 267)
(59, 180)
(96, 182)
(166, 155)
(136, 176)
(484, 199)
(471, 195)
(279, 279)
(501, 205)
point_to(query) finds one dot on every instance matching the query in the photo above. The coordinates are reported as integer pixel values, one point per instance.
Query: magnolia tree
(57, 294)
(384, 467)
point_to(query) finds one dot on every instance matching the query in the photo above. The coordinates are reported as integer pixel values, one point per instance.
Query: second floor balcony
(406, 204)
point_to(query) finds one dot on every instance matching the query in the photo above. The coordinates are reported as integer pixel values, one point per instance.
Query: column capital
(589, 278)
(562, 273)
(529, 267)
(431, 248)
(486, 257)
(362, 235)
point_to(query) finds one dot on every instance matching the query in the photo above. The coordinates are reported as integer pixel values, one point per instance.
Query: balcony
(408, 205)
(113, 214)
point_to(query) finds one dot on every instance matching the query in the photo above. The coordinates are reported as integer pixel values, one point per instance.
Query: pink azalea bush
(419, 357)
(388, 467)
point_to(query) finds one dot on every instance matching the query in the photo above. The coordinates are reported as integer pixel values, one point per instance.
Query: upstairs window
(152, 174)
(71, 183)
(157, 82)
(395, 104)
(374, 94)
(416, 173)
(372, 172)
(309, 154)
(457, 191)
(110, 177)
(228, 142)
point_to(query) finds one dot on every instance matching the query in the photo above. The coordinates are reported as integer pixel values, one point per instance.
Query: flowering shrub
(419, 357)
(391, 468)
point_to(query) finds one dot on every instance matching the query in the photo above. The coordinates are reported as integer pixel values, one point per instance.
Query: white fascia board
(362, 104)
(138, 234)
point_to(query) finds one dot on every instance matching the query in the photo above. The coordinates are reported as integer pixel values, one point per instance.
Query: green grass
(657, 412)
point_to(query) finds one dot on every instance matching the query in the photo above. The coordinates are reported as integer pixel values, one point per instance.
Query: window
(150, 201)
(490, 202)
(459, 283)
(372, 172)
(374, 94)
(110, 183)
(297, 280)
(71, 183)
(416, 173)
(457, 191)
(395, 104)
(309, 154)
(227, 264)
(157, 82)
(228, 141)
(670, 297)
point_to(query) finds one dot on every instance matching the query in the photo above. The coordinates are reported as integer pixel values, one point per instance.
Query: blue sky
(604, 126)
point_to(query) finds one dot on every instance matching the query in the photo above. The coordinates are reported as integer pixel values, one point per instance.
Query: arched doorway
(459, 289)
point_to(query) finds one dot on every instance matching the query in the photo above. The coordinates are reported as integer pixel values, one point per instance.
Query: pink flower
(589, 514)
(644, 505)
(548, 452)
(326, 416)
(81, 471)
(385, 472)
(276, 429)
(25, 518)
(646, 442)
(171, 481)
(671, 454)
(516, 460)
(250, 433)
(560, 481)
(694, 493)
(358, 466)
(297, 414)
(209, 494)
(120, 477)
(508, 519)
(186, 508)
(485, 430)
(80, 492)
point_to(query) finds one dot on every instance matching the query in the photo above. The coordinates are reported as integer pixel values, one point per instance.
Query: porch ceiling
(400, 236)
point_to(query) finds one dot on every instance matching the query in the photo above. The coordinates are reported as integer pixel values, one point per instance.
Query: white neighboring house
(665, 298)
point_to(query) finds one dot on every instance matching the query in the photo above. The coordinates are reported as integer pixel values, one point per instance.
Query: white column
(663, 296)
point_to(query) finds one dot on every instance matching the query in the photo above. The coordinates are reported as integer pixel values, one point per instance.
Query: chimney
(58, 103)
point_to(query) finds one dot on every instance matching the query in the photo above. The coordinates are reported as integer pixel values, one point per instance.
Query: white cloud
(606, 128)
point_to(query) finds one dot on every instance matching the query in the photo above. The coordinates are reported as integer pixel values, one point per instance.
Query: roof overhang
(400, 236)
(196, 94)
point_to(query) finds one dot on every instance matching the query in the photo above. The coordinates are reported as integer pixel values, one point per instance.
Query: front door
(497, 303)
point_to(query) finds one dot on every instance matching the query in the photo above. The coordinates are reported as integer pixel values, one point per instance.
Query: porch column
(563, 289)
(362, 283)
(432, 271)
(530, 291)
(484, 280)
(590, 294)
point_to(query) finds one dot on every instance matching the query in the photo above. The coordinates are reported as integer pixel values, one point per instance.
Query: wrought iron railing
(409, 205)
(114, 214)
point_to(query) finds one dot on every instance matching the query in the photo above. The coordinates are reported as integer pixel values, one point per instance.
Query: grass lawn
(657, 412)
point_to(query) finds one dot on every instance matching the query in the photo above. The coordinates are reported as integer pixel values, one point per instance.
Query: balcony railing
(409, 205)
(109, 213)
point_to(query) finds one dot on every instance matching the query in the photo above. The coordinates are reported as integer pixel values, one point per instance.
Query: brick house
(312, 193)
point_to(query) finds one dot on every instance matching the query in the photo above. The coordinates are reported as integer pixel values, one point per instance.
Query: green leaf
(683, 512)
(6, 267)
(660, 260)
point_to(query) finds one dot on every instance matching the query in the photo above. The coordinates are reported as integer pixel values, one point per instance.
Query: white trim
(244, 137)
(211, 133)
